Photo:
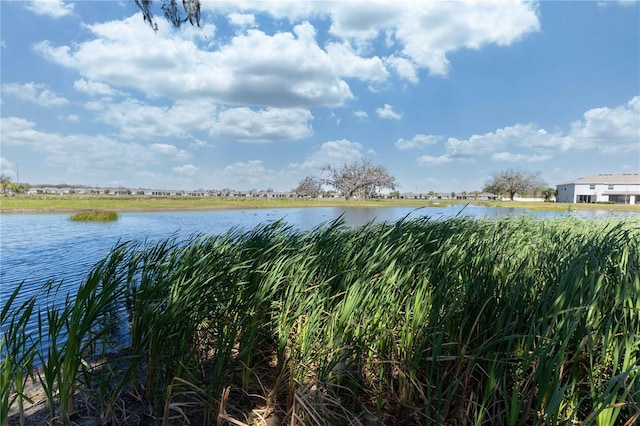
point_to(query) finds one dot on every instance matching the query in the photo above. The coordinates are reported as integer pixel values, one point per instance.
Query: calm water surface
(36, 248)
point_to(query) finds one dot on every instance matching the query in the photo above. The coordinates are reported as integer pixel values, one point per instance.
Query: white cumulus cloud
(187, 170)
(86, 157)
(246, 175)
(609, 130)
(490, 142)
(287, 69)
(242, 19)
(422, 32)
(170, 151)
(418, 141)
(361, 114)
(7, 168)
(52, 8)
(388, 113)
(267, 125)
(518, 158)
(427, 160)
(138, 120)
(334, 153)
(94, 88)
(36, 93)
(606, 130)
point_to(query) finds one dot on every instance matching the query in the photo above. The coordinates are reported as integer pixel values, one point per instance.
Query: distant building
(618, 188)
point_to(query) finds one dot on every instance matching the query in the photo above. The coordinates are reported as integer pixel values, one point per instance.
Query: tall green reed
(17, 350)
(74, 331)
(461, 320)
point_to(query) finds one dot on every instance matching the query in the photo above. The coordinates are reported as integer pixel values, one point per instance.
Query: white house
(618, 188)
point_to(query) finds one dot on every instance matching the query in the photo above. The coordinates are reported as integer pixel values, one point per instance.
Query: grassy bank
(67, 203)
(51, 203)
(500, 322)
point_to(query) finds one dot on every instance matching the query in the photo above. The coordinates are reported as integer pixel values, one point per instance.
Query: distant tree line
(364, 180)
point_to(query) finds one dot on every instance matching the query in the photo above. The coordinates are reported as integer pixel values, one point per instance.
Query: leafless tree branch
(172, 12)
(359, 179)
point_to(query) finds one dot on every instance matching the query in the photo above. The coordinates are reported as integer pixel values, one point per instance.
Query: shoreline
(73, 204)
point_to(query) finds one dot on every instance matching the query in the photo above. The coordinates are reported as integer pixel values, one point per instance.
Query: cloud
(7, 168)
(519, 158)
(287, 69)
(347, 63)
(428, 160)
(605, 130)
(362, 115)
(422, 32)
(488, 143)
(610, 130)
(437, 28)
(85, 157)
(188, 170)
(36, 93)
(620, 2)
(405, 68)
(334, 153)
(242, 19)
(137, 120)
(94, 88)
(170, 151)
(246, 175)
(52, 8)
(17, 131)
(253, 167)
(197, 143)
(267, 125)
(418, 142)
(388, 113)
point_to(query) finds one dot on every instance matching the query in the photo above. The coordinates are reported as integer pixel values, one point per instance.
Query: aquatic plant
(487, 321)
(95, 216)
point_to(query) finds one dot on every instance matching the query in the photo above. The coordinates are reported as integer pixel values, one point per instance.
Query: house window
(592, 186)
(610, 187)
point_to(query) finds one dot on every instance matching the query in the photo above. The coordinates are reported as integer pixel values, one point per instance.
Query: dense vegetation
(506, 321)
(95, 216)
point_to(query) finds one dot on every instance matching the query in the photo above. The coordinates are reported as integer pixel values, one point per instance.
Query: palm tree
(548, 193)
(5, 181)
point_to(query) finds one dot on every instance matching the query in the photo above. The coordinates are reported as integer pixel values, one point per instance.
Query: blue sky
(443, 94)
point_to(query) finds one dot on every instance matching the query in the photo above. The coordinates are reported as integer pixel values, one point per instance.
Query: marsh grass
(460, 321)
(95, 216)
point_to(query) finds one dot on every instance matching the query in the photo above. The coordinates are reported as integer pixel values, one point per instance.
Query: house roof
(608, 178)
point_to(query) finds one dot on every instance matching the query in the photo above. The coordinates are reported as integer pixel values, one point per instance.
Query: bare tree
(359, 179)
(309, 186)
(512, 181)
(190, 11)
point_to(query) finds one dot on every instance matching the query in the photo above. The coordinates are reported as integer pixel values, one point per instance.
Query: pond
(37, 248)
